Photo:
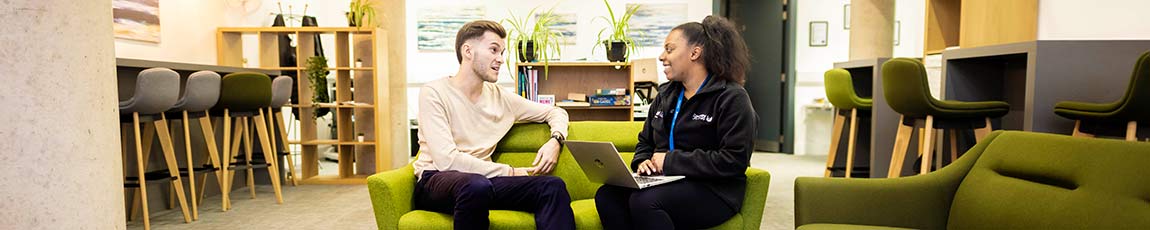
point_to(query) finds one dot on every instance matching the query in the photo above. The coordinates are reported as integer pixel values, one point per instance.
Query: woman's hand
(653, 166)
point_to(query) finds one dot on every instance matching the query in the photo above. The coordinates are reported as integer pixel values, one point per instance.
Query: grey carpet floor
(349, 207)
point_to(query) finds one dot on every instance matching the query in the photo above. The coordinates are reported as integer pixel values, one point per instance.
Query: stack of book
(610, 97)
(529, 84)
(574, 100)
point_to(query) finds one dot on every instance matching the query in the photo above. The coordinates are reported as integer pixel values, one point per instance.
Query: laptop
(601, 163)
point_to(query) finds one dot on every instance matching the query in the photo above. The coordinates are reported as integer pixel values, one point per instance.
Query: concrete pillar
(60, 161)
(872, 29)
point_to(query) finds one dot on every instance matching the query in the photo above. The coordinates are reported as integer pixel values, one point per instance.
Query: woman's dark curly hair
(725, 53)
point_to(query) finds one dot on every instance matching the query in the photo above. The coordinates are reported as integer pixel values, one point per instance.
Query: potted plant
(361, 13)
(317, 75)
(359, 137)
(533, 42)
(618, 44)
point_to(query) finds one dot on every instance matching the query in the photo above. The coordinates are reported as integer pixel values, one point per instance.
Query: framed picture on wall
(897, 31)
(818, 33)
(136, 20)
(846, 16)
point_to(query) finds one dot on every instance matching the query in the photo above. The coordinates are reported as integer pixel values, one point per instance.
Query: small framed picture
(818, 34)
(846, 16)
(897, 31)
(547, 99)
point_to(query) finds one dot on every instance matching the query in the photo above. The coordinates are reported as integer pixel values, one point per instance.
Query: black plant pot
(616, 51)
(526, 51)
(350, 20)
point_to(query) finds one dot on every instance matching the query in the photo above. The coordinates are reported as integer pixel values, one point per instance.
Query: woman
(701, 126)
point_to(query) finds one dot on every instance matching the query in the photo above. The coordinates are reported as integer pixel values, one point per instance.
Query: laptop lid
(601, 163)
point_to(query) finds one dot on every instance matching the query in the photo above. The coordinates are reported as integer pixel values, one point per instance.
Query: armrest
(758, 183)
(391, 195)
(920, 202)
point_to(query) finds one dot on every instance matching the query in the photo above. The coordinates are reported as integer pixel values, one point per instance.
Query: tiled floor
(349, 207)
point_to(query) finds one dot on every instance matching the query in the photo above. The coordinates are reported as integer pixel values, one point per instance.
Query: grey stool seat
(281, 91)
(157, 89)
(201, 92)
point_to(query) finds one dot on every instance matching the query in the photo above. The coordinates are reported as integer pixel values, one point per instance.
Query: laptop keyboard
(644, 180)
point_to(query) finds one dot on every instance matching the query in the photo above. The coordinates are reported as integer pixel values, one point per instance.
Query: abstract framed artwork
(653, 22)
(136, 20)
(436, 26)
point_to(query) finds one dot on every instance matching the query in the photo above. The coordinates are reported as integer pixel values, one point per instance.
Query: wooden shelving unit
(975, 23)
(585, 78)
(370, 114)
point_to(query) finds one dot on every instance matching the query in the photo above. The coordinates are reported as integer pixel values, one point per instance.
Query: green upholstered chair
(907, 92)
(1131, 109)
(1010, 180)
(391, 191)
(841, 94)
(244, 95)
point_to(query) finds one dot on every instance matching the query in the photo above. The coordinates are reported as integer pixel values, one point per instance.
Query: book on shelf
(576, 97)
(611, 91)
(528, 84)
(572, 104)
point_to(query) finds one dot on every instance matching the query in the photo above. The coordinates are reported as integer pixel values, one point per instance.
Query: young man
(461, 119)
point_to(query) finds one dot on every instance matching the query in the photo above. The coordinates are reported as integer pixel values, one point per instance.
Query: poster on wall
(653, 22)
(136, 19)
(566, 25)
(436, 26)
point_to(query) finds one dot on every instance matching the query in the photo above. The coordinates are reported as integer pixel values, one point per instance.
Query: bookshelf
(361, 103)
(585, 78)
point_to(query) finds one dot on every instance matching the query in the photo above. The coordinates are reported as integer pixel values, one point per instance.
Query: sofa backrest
(1045, 181)
(519, 146)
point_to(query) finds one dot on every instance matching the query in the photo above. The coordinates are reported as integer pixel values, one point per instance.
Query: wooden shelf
(335, 180)
(341, 106)
(293, 30)
(352, 68)
(331, 142)
(570, 64)
(596, 107)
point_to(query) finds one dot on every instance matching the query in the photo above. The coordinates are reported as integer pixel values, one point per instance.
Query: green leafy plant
(620, 30)
(361, 13)
(317, 75)
(543, 39)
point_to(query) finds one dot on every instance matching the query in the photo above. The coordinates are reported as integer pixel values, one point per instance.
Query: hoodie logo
(658, 114)
(701, 117)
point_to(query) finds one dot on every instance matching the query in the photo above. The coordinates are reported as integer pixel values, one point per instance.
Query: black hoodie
(714, 136)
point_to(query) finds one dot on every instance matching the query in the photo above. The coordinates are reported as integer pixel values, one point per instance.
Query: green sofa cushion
(846, 227)
(1044, 181)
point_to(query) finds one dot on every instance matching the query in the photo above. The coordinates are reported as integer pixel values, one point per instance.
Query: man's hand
(522, 171)
(653, 166)
(546, 158)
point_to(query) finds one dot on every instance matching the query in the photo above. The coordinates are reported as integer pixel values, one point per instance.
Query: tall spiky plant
(361, 13)
(620, 29)
(546, 40)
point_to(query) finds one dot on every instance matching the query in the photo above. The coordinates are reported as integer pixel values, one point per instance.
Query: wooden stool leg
(247, 123)
(927, 150)
(191, 166)
(149, 136)
(237, 139)
(173, 167)
(834, 148)
(142, 191)
(901, 143)
(227, 161)
(982, 132)
(270, 155)
(851, 143)
(210, 141)
(278, 116)
(1132, 131)
(953, 145)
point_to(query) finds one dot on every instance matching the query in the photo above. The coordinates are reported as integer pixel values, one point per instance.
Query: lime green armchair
(391, 191)
(1010, 180)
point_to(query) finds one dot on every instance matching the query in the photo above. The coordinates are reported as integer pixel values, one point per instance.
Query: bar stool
(1132, 108)
(906, 91)
(841, 94)
(157, 89)
(201, 92)
(244, 95)
(281, 93)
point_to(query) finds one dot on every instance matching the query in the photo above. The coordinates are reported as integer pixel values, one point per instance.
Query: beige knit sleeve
(527, 110)
(439, 144)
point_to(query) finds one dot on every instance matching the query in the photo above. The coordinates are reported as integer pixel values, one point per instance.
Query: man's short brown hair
(475, 29)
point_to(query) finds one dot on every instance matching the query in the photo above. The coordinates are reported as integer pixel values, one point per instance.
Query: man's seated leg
(467, 196)
(545, 196)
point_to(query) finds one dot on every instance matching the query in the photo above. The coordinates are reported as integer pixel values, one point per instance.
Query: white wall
(187, 34)
(1097, 20)
(425, 66)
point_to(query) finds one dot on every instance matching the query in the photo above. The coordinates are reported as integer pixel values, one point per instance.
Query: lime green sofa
(1010, 180)
(391, 191)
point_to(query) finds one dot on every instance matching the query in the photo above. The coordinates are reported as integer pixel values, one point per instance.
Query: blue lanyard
(678, 106)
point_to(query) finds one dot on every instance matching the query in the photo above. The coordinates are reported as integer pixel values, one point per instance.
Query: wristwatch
(558, 137)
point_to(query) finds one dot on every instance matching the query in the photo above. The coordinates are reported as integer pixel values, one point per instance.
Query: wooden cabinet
(563, 78)
(975, 23)
(362, 102)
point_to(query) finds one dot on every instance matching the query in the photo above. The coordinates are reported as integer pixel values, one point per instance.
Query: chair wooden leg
(982, 132)
(142, 191)
(1132, 131)
(149, 135)
(226, 182)
(270, 156)
(927, 150)
(173, 167)
(278, 116)
(834, 148)
(237, 139)
(851, 143)
(1078, 130)
(901, 143)
(953, 145)
(191, 166)
(247, 123)
(210, 141)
